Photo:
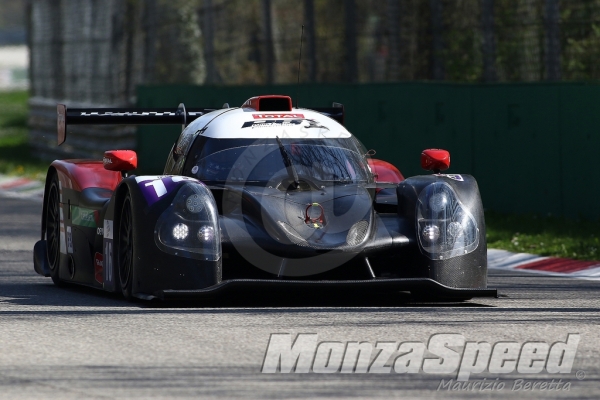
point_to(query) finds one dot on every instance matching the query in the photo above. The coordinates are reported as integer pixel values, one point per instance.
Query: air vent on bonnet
(272, 102)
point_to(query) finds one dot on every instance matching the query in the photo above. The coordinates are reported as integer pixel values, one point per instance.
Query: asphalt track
(79, 343)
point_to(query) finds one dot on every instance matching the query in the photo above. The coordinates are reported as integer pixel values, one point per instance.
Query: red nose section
(435, 159)
(120, 160)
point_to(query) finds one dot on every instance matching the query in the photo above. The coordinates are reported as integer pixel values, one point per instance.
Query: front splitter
(423, 286)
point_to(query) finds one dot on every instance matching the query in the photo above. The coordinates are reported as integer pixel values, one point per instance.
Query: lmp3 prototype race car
(264, 197)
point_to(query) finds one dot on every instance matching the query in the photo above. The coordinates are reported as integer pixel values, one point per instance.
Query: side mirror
(120, 160)
(384, 171)
(435, 160)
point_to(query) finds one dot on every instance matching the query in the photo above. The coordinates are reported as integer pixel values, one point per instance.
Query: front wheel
(125, 249)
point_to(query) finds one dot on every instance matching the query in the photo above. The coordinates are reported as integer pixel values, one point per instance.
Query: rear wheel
(125, 249)
(53, 229)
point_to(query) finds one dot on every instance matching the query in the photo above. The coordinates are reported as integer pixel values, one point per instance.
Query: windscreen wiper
(289, 166)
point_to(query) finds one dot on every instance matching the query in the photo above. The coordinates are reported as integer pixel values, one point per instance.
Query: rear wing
(107, 116)
(137, 116)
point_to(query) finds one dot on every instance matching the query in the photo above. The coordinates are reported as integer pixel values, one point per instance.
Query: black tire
(53, 229)
(124, 247)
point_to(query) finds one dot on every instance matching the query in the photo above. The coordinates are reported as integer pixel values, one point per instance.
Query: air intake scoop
(272, 102)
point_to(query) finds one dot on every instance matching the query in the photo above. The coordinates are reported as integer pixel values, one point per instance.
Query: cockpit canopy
(260, 161)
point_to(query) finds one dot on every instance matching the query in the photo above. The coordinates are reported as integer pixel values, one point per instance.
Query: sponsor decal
(63, 245)
(98, 268)
(108, 265)
(314, 124)
(270, 123)
(100, 231)
(455, 177)
(108, 229)
(314, 216)
(69, 240)
(126, 114)
(106, 160)
(445, 353)
(83, 217)
(277, 116)
(155, 187)
(274, 123)
(136, 114)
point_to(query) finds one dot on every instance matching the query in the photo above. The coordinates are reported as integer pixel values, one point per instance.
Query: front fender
(462, 271)
(154, 269)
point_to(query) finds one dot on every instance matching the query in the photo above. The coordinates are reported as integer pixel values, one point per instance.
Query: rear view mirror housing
(435, 160)
(120, 160)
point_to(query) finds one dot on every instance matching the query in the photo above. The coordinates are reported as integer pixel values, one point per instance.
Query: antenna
(299, 61)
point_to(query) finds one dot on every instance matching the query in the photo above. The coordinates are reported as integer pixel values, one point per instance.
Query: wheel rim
(125, 244)
(53, 227)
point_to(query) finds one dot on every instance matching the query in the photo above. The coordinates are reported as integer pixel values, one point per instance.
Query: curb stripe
(21, 188)
(15, 183)
(554, 266)
(563, 265)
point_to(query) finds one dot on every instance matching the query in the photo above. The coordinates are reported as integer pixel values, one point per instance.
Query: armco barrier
(532, 147)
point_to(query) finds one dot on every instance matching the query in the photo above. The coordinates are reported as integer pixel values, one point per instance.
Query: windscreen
(248, 160)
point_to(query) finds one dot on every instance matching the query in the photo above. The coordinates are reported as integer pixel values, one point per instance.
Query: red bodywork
(83, 174)
(435, 159)
(385, 172)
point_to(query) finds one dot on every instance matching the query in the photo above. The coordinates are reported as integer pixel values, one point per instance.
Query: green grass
(15, 152)
(546, 236)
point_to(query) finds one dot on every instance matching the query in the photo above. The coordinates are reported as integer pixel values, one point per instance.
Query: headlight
(180, 231)
(431, 233)
(445, 227)
(438, 201)
(206, 233)
(189, 227)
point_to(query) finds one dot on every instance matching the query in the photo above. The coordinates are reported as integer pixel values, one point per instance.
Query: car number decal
(107, 262)
(155, 187)
(108, 229)
(69, 240)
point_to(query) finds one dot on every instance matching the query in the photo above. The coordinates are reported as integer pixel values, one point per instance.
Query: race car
(263, 197)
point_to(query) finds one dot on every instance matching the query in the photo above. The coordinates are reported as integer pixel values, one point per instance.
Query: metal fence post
(393, 24)
(437, 62)
(489, 42)
(553, 72)
(268, 40)
(149, 21)
(351, 47)
(309, 21)
(208, 31)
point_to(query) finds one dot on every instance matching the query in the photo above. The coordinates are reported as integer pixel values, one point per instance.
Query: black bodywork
(266, 241)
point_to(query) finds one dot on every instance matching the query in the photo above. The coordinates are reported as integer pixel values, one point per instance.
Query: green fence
(532, 147)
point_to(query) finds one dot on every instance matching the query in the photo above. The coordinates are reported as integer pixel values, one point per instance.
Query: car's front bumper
(422, 286)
